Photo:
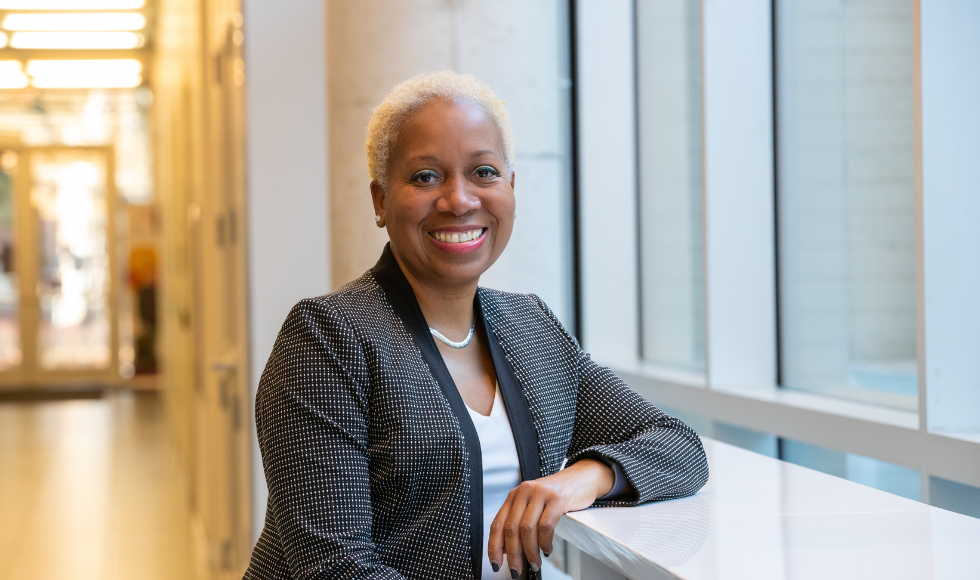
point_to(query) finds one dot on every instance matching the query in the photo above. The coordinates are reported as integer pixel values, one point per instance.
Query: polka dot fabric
(366, 464)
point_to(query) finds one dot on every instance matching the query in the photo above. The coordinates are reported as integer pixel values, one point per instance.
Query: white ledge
(647, 373)
(762, 518)
(887, 434)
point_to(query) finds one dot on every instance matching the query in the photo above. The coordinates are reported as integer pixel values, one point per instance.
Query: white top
(501, 470)
(766, 519)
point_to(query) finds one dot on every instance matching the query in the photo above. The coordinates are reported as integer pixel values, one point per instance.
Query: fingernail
(514, 574)
(535, 567)
(495, 567)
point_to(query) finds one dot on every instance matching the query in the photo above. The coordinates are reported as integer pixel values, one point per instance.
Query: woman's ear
(378, 199)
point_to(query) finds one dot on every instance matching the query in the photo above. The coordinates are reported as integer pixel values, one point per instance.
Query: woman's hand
(528, 518)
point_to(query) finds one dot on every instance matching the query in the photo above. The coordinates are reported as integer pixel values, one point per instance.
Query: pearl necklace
(449, 343)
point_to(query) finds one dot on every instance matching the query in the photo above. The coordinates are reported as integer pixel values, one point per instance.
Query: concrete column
(520, 50)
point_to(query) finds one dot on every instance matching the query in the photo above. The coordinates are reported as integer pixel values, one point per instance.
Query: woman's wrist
(598, 474)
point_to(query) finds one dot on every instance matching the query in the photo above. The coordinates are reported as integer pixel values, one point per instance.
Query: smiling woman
(391, 455)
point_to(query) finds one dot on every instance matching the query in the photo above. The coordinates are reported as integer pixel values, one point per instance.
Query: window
(845, 198)
(864, 250)
(668, 37)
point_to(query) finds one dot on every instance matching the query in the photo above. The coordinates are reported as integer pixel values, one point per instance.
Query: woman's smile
(458, 240)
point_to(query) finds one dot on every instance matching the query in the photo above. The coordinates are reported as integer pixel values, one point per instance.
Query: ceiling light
(11, 75)
(88, 74)
(70, 21)
(71, 4)
(3, 39)
(83, 40)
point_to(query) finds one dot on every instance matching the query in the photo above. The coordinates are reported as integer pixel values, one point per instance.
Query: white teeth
(458, 237)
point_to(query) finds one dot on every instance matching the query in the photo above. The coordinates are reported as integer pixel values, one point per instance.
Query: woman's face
(449, 205)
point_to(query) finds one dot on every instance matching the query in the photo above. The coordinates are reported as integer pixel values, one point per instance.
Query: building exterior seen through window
(845, 199)
(668, 37)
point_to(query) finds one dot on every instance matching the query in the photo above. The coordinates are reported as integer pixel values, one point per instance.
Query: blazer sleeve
(312, 422)
(661, 457)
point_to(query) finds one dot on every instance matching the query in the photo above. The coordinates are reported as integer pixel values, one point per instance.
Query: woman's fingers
(553, 512)
(529, 529)
(513, 545)
(495, 543)
(526, 522)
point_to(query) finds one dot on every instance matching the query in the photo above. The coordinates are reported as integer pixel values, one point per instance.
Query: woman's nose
(456, 198)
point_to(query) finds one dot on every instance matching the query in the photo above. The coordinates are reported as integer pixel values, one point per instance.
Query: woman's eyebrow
(424, 158)
(483, 152)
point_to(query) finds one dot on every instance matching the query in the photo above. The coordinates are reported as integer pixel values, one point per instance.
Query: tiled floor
(89, 490)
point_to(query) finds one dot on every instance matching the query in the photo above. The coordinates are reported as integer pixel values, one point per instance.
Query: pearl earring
(377, 219)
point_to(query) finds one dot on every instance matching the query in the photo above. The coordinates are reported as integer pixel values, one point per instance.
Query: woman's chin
(459, 269)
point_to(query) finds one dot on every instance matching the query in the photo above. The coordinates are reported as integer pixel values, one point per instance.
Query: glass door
(57, 292)
(11, 354)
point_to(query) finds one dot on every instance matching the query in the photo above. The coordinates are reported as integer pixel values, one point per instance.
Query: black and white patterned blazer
(372, 461)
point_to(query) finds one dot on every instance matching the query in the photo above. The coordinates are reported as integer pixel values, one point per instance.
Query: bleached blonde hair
(410, 96)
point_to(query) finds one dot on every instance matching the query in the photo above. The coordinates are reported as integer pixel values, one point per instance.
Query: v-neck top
(501, 470)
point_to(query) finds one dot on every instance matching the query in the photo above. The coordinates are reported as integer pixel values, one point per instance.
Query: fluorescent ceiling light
(92, 21)
(3, 39)
(71, 4)
(82, 40)
(85, 74)
(11, 75)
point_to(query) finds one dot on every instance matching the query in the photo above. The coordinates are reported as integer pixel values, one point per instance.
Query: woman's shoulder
(357, 301)
(515, 303)
(526, 313)
(355, 296)
(510, 303)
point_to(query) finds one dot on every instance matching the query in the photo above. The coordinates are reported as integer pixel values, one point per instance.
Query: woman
(413, 424)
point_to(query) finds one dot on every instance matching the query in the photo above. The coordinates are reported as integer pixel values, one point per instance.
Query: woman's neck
(447, 309)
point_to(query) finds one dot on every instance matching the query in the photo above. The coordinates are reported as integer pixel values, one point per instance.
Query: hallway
(89, 490)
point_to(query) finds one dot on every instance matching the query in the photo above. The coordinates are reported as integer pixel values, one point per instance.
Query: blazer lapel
(402, 299)
(518, 409)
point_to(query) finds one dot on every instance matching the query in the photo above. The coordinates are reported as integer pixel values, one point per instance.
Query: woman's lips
(465, 241)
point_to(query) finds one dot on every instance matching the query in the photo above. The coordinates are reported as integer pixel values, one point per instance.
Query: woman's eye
(424, 177)
(486, 171)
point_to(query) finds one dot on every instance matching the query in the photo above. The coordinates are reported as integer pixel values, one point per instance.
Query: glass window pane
(670, 175)
(846, 198)
(10, 350)
(69, 195)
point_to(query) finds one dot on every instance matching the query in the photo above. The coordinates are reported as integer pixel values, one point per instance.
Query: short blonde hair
(410, 96)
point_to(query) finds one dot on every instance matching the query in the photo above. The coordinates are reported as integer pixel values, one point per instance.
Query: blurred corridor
(89, 490)
(123, 401)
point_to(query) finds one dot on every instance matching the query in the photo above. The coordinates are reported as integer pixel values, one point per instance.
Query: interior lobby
(759, 214)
